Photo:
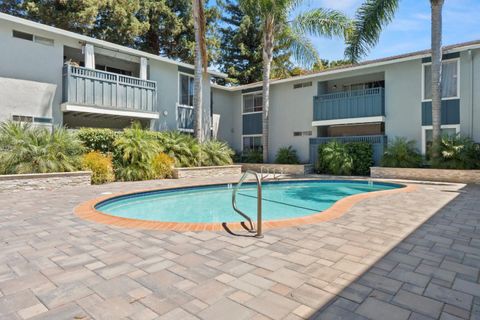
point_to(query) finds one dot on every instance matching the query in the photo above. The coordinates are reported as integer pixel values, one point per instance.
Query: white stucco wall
(31, 61)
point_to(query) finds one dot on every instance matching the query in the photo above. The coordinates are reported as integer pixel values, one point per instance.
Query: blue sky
(410, 29)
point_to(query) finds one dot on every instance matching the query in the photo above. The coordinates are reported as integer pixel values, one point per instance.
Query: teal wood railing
(97, 88)
(349, 104)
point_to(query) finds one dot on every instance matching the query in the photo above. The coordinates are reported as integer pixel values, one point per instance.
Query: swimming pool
(213, 204)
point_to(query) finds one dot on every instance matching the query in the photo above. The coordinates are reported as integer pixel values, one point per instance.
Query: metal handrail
(259, 203)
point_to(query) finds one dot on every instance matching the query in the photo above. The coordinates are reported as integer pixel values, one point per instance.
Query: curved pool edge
(87, 211)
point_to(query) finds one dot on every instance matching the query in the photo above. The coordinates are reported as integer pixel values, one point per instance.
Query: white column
(143, 68)
(89, 53)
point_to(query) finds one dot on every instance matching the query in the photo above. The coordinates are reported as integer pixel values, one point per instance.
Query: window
(113, 70)
(427, 136)
(22, 118)
(44, 41)
(449, 80)
(302, 85)
(302, 133)
(31, 37)
(252, 143)
(186, 90)
(22, 35)
(252, 103)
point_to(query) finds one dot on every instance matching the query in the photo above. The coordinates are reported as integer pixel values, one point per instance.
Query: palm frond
(302, 48)
(370, 18)
(322, 22)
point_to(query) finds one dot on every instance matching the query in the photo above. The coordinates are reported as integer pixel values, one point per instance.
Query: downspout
(472, 95)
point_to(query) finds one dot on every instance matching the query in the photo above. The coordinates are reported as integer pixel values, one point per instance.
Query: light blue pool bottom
(213, 204)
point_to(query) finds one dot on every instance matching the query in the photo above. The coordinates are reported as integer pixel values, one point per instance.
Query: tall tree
(371, 17)
(241, 41)
(275, 17)
(201, 63)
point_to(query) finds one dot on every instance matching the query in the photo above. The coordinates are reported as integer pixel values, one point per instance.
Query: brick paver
(399, 256)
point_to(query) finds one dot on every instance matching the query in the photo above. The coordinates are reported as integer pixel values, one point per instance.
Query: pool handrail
(259, 202)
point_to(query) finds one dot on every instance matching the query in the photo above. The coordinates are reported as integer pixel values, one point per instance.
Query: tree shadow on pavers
(431, 273)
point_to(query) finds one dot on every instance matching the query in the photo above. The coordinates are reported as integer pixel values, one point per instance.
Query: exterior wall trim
(347, 121)
(66, 107)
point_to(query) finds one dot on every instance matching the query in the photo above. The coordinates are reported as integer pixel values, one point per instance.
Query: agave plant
(457, 152)
(134, 152)
(215, 153)
(27, 149)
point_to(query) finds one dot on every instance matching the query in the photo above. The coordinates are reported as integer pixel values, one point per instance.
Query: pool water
(210, 204)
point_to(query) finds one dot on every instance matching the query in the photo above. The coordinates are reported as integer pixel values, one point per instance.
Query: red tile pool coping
(88, 212)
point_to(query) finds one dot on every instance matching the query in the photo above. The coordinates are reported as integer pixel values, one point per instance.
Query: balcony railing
(97, 88)
(185, 118)
(349, 104)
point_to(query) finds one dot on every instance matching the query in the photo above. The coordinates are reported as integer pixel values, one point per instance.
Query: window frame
(443, 126)
(252, 94)
(179, 98)
(251, 136)
(457, 60)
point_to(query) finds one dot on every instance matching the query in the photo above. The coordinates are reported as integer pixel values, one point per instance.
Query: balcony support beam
(348, 121)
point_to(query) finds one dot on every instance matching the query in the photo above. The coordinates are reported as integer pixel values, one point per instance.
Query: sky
(410, 29)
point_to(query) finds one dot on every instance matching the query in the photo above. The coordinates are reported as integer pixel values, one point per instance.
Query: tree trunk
(436, 75)
(267, 52)
(198, 80)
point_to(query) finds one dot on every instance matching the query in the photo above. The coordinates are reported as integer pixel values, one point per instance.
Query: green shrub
(336, 158)
(163, 166)
(362, 156)
(252, 156)
(180, 146)
(27, 149)
(97, 139)
(457, 152)
(100, 165)
(286, 155)
(215, 153)
(134, 151)
(401, 153)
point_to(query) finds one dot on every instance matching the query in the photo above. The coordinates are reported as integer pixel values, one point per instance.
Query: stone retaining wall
(213, 171)
(441, 175)
(44, 181)
(293, 169)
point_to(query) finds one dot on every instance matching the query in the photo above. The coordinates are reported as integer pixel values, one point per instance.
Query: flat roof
(362, 65)
(101, 43)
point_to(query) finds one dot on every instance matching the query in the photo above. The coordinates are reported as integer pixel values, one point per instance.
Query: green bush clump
(362, 157)
(27, 149)
(183, 148)
(100, 165)
(134, 151)
(457, 152)
(252, 156)
(286, 155)
(336, 159)
(353, 158)
(97, 139)
(216, 153)
(401, 153)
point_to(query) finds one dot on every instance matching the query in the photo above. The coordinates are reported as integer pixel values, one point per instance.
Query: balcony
(93, 91)
(185, 118)
(333, 108)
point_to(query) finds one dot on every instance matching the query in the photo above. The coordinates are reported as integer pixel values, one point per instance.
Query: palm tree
(201, 62)
(274, 16)
(371, 17)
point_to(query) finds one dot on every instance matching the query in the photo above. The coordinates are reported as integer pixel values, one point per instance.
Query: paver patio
(399, 256)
